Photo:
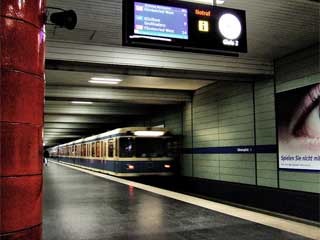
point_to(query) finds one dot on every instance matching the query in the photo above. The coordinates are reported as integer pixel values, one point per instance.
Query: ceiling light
(149, 133)
(81, 102)
(219, 2)
(106, 79)
(103, 82)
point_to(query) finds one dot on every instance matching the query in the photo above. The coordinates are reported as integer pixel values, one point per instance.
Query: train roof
(115, 132)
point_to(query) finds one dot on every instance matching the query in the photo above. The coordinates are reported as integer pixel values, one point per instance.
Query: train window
(110, 148)
(98, 149)
(80, 148)
(93, 149)
(116, 147)
(105, 149)
(89, 150)
(126, 147)
(102, 148)
(151, 147)
(83, 150)
(172, 146)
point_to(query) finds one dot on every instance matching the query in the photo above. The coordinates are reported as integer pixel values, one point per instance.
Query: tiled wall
(267, 165)
(223, 117)
(227, 114)
(171, 118)
(187, 159)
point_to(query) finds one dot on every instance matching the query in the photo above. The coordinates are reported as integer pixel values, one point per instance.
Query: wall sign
(183, 25)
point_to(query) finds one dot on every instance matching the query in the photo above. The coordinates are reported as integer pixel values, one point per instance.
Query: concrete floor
(85, 207)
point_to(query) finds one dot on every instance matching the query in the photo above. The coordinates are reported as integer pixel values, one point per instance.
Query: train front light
(130, 167)
(167, 166)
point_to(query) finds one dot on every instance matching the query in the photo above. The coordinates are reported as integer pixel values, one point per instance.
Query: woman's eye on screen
(311, 127)
(306, 120)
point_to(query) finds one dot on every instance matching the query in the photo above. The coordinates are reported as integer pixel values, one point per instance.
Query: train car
(124, 152)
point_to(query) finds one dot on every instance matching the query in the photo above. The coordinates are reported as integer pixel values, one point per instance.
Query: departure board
(160, 21)
(184, 26)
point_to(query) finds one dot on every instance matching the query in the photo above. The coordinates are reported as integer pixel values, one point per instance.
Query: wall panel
(294, 71)
(265, 124)
(224, 115)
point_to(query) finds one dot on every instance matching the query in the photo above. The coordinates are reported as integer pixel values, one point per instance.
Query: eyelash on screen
(308, 103)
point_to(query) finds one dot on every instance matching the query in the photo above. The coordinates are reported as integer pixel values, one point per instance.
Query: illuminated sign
(184, 26)
(160, 21)
(203, 26)
(298, 128)
(203, 13)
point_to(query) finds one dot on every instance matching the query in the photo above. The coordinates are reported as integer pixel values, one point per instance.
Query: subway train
(123, 152)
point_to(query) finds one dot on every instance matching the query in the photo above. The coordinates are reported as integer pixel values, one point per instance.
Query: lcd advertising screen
(160, 21)
(184, 26)
(298, 121)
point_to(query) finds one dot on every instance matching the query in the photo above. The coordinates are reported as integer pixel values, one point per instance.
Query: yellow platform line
(302, 229)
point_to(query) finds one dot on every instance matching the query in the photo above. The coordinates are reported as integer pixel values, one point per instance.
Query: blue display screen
(160, 21)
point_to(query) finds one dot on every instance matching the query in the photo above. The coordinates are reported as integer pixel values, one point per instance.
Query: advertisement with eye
(298, 119)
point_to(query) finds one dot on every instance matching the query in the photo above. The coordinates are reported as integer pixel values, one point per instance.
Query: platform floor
(81, 206)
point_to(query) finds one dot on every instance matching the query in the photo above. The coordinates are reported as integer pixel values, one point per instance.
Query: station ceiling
(274, 28)
(153, 80)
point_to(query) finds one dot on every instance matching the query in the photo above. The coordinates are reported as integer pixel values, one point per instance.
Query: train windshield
(146, 147)
(151, 147)
(126, 147)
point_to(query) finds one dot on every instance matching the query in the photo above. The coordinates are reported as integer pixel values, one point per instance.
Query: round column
(22, 41)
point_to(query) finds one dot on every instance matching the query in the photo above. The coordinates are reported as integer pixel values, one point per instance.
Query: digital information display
(160, 21)
(183, 26)
(298, 124)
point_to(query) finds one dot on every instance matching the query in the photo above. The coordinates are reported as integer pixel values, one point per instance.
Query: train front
(148, 152)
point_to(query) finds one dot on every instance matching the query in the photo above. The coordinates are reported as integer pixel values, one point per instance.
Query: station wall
(222, 117)
(170, 118)
(228, 115)
(295, 71)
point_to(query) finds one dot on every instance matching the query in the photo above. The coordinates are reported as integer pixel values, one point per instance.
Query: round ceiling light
(229, 26)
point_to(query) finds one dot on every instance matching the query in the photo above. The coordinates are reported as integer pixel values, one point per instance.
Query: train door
(111, 148)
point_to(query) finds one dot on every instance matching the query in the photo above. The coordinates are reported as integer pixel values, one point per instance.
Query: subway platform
(83, 205)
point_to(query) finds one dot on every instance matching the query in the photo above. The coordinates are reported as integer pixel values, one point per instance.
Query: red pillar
(22, 98)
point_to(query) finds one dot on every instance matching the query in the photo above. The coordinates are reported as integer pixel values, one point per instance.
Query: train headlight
(167, 166)
(130, 167)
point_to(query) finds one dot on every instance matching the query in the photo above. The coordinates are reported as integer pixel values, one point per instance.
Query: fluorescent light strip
(152, 38)
(81, 102)
(219, 2)
(106, 79)
(102, 82)
(149, 133)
